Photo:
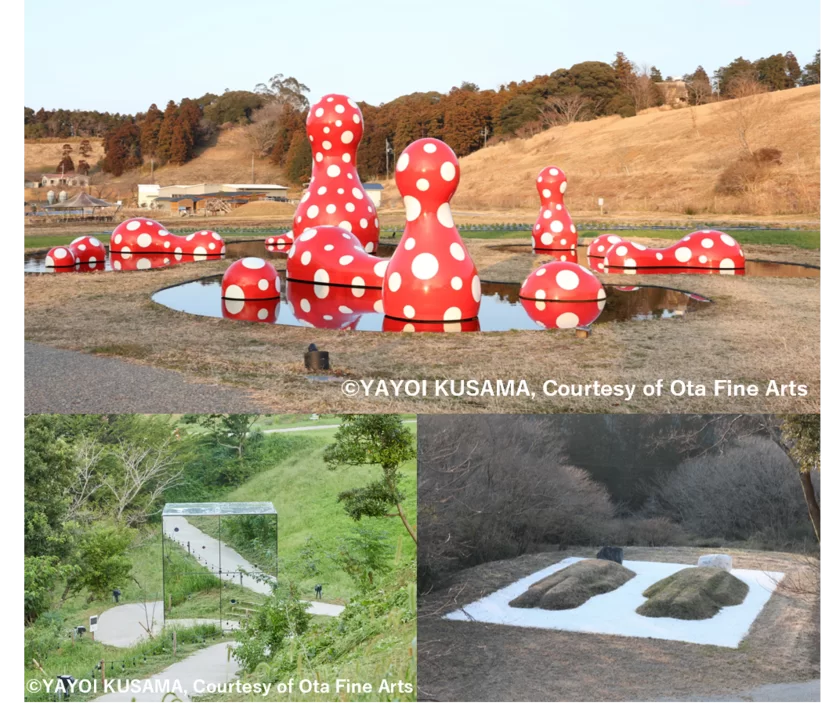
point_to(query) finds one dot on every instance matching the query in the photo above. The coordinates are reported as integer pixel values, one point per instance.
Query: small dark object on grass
(613, 554)
(316, 360)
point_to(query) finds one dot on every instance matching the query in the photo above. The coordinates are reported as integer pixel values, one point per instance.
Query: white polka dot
(133, 225)
(356, 118)
(380, 268)
(402, 162)
(333, 171)
(252, 263)
(408, 311)
(410, 243)
(429, 147)
(339, 108)
(305, 306)
(163, 233)
(554, 172)
(412, 207)
(345, 224)
(727, 264)
(234, 292)
(704, 259)
(321, 275)
(322, 291)
(567, 279)
(567, 320)
(546, 193)
(319, 157)
(369, 247)
(329, 248)
(308, 234)
(408, 328)
(541, 272)
(277, 283)
(424, 266)
(707, 242)
(262, 314)
(540, 294)
(476, 288)
(556, 226)
(345, 259)
(444, 216)
(312, 211)
(394, 281)
(457, 283)
(563, 187)
(546, 238)
(357, 193)
(344, 309)
(457, 251)
(117, 239)
(683, 254)
(305, 258)
(327, 145)
(363, 223)
(263, 284)
(453, 313)
(346, 157)
(349, 207)
(546, 214)
(447, 171)
(621, 250)
(199, 250)
(347, 137)
(144, 240)
(422, 184)
(658, 256)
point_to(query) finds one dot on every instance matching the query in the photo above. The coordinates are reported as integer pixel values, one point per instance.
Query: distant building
(65, 179)
(212, 197)
(374, 190)
(674, 93)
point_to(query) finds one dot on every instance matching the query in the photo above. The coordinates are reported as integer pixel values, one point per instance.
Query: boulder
(723, 562)
(613, 554)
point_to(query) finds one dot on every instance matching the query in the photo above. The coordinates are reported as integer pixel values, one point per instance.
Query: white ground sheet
(615, 612)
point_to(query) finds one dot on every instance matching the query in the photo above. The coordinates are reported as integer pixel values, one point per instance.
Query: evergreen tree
(299, 159)
(655, 74)
(811, 74)
(167, 130)
(150, 130)
(794, 71)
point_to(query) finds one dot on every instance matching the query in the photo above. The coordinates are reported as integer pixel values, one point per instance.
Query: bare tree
(145, 473)
(262, 132)
(89, 454)
(285, 90)
(640, 87)
(747, 110)
(566, 109)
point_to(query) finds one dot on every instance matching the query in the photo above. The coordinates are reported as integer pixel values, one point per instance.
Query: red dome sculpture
(89, 250)
(400, 325)
(331, 307)
(251, 278)
(279, 243)
(706, 250)
(430, 276)
(563, 315)
(142, 235)
(61, 256)
(335, 195)
(334, 256)
(562, 282)
(553, 229)
(598, 248)
(264, 310)
(203, 243)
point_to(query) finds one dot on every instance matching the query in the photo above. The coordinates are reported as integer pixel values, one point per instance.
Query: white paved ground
(212, 665)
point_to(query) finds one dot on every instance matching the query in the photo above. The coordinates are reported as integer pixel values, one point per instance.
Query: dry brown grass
(476, 661)
(43, 155)
(759, 329)
(574, 585)
(659, 162)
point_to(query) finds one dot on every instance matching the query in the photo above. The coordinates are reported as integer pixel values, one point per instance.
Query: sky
(121, 57)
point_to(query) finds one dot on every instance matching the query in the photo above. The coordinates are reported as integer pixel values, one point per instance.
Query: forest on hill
(467, 117)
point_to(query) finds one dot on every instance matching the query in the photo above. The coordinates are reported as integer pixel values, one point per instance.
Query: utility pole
(153, 169)
(388, 151)
(253, 179)
(486, 132)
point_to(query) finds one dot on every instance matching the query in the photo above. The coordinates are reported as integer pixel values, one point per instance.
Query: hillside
(43, 155)
(664, 161)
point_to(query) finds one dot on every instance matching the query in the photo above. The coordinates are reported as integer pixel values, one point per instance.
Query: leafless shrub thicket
(494, 487)
(751, 493)
(565, 110)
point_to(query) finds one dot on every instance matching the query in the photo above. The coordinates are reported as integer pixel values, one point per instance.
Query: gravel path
(61, 381)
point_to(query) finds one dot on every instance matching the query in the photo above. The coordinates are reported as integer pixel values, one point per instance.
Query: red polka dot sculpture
(279, 243)
(89, 250)
(333, 256)
(335, 195)
(562, 295)
(61, 256)
(142, 235)
(706, 250)
(331, 306)
(430, 277)
(400, 325)
(251, 278)
(598, 248)
(553, 229)
(264, 310)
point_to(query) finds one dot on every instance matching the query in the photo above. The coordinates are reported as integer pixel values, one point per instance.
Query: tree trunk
(407, 525)
(811, 500)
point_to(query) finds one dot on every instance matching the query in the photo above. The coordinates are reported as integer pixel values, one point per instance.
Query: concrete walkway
(191, 676)
(799, 692)
(209, 552)
(62, 381)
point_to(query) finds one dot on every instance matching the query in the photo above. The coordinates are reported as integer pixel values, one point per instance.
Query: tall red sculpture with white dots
(553, 229)
(335, 195)
(431, 277)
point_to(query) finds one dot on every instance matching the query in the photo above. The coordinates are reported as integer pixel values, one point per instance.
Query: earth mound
(693, 593)
(574, 585)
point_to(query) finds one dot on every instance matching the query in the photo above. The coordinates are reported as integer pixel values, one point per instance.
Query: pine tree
(150, 130)
(299, 159)
(655, 74)
(794, 71)
(181, 145)
(167, 130)
(811, 74)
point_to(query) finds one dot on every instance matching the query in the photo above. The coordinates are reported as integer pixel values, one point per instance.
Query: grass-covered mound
(574, 585)
(693, 593)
